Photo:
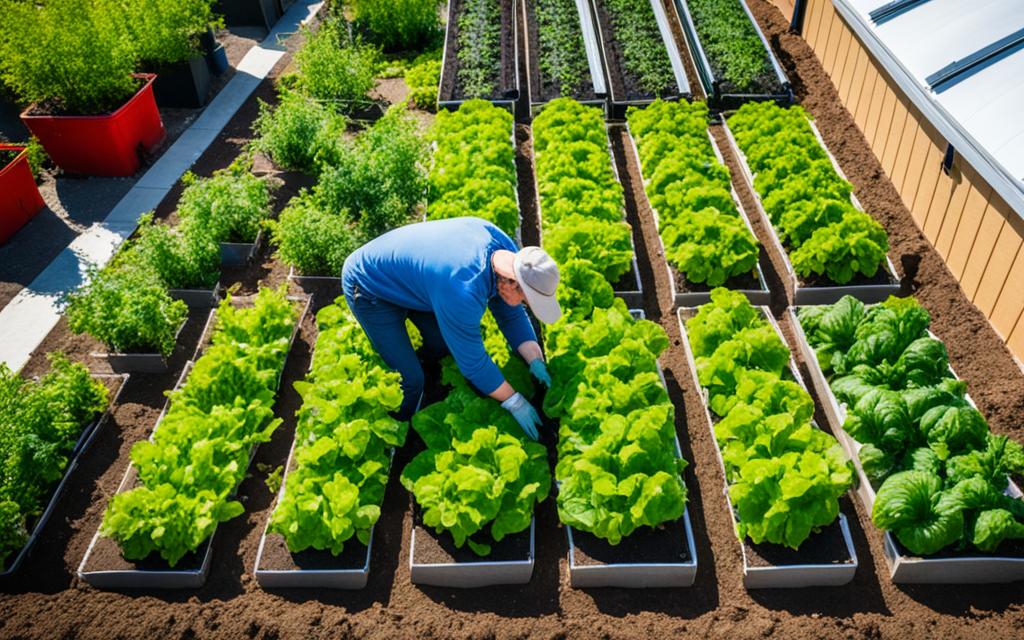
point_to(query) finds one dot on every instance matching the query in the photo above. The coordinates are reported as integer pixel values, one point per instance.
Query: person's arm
(460, 327)
(516, 327)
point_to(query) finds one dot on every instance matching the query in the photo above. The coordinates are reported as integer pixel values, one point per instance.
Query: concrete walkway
(37, 308)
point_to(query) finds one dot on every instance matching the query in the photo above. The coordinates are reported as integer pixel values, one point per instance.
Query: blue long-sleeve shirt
(444, 266)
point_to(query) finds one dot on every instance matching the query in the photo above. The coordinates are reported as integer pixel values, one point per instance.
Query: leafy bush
(126, 307)
(182, 261)
(334, 68)
(398, 25)
(704, 236)
(643, 51)
(805, 199)
(199, 451)
(165, 31)
(313, 240)
(299, 133)
(473, 171)
(37, 158)
(732, 45)
(75, 55)
(785, 476)
(562, 56)
(227, 207)
(423, 77)
(479, 48)
(342, 440)
(40, 421)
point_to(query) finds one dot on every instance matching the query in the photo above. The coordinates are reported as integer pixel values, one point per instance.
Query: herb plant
(335, 68)
(807, 202)
(398, 25)
(733, 47)
(423, 77)
(299, 133)
(562, 56)
(942, 474)
(635, 29)
(227, 207)
(182, 261)
(165, 31)
(785, 476)
(479, 48)
(199, 452)
(40, 421)
(473, 171)
(704, 236)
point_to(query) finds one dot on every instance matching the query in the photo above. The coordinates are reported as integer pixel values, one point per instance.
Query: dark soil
(544, 88)
(627, 282)
(106, 556)
(824, 547)
(624, 85)
(439, 548)
(277, 557)
(505, 82)
(649, 545)
(46, 600)
(7, 157)
(881, 277)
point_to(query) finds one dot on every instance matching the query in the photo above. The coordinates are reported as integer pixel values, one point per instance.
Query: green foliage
(313, 240)
(334, 68)
(643, 51)
(126, 307)
(423, 77)
(299, 133)
(581, 201)
(199, 452)
(165, 31)
(479, 48)
(76, 55)
(182, 261)
(227, 207)
(562, 55)
(343, 440)
(37, 157)
(474, 172)
(733, 47)
(40, 421)
(398, 25)
(807, 201)
(785, 475)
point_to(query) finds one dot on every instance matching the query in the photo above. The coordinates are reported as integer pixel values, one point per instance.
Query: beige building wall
(970, 225)
(785, 6)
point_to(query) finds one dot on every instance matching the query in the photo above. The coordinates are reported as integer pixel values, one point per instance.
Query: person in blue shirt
(441, 275)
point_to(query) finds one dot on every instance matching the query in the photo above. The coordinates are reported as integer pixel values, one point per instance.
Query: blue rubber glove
(540, 371)
(524, 413)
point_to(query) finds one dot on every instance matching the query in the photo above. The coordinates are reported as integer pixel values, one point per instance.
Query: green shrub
(37, 157)
(423, 78)
(165, 31)
(227, 207)
(313, 240)
(77, 55)
(126, 307)
(332, 67)
(398, 25)
(380, 177)
(182, 261)
(299, 134)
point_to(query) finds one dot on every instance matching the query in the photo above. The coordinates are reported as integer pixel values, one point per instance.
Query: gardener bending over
(441, 274)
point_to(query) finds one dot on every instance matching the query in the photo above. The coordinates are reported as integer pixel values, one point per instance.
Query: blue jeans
(384, 324)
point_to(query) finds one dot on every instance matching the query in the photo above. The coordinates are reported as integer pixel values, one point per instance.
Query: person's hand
(540, 371)
(524, 413)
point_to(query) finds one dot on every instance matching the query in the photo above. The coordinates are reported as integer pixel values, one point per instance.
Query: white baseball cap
(537, 275)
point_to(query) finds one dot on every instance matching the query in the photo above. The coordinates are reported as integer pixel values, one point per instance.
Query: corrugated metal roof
(980, 113)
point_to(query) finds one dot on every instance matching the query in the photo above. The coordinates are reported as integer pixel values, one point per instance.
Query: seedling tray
(85, 440)
(944, 568)
(237, 254)
(712, 85)
(619, 101)
(139, 362)
(884, 284)
(508, 94)
(197, 298)
(788, 570)
(594, 88)
(468, 573)
(759, 296)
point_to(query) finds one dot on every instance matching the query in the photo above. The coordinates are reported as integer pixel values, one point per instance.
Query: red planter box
(19, 197)
(106, 145)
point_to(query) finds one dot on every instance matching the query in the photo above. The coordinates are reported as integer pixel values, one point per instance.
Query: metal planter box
(786, 576)
(804, 294)
(466, 575)
(237, 254)
(619, 103)
(509, 94)
(711, 84)
(759, 296)
(313, 281)
(904, 568)
(85, 440)
(139, 362)
(197, 298)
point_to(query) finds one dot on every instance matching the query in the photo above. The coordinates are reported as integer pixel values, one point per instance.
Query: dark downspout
(796, 25)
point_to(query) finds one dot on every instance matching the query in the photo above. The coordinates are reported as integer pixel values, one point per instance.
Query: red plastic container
(106, 145)
(19, 197)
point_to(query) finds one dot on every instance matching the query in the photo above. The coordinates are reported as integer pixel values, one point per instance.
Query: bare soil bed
(46, 600)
